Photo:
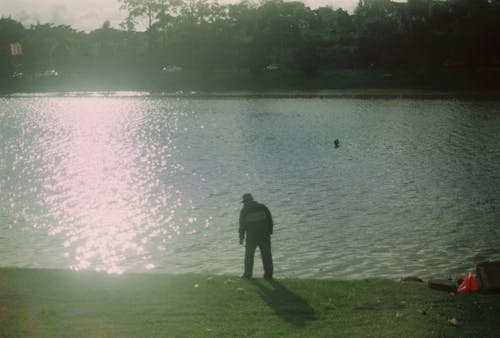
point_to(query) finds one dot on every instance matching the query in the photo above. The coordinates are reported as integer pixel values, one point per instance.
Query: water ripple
(137, 183)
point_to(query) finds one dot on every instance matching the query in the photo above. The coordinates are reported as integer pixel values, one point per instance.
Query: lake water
(133, 182)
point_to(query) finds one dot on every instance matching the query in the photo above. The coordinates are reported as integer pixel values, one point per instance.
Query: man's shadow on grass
(288, 305)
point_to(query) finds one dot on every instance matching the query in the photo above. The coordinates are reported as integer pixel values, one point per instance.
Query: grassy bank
(46, 303)
(461, 80)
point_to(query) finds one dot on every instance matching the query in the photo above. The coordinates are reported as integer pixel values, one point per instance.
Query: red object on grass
(468, 285)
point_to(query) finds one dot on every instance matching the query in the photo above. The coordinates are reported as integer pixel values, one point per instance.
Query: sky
(91, 14)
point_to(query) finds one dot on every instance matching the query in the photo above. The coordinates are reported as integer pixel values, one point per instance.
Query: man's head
(247, 198)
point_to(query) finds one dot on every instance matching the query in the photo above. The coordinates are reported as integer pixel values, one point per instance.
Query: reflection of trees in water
(285, 303)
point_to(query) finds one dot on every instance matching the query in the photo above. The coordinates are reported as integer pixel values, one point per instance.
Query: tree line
(201, 37)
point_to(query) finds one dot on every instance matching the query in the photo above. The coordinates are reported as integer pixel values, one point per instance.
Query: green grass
(49, 303)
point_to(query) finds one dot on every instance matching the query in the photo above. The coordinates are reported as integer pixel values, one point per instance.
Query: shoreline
(367, 93)
(446, 82)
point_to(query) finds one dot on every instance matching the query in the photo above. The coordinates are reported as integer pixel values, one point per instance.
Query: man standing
(257, 223)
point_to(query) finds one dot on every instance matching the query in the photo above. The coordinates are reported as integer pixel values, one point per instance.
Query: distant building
(16, 49)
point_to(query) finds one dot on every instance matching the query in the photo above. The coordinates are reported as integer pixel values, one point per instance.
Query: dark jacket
(256, 221)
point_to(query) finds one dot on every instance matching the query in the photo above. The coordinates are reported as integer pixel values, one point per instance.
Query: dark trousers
(265, 252)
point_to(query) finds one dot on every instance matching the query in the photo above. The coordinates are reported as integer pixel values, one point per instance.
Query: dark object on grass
(443, 285)
(336, 143)
(488, 274)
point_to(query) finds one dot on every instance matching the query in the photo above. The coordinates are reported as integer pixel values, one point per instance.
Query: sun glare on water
(101, 184)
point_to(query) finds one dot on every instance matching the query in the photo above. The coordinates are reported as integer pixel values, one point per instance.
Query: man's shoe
(247, 277)
(269, 278)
